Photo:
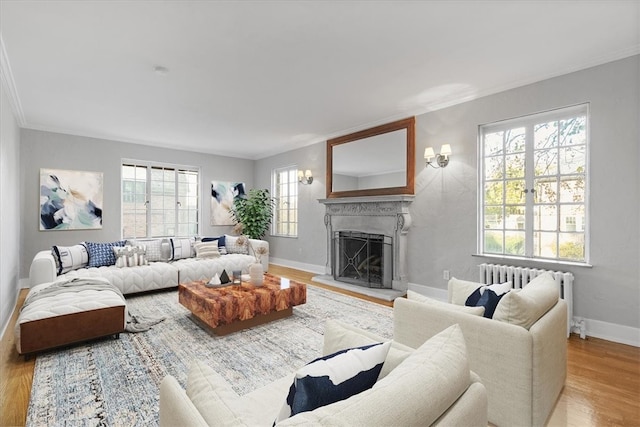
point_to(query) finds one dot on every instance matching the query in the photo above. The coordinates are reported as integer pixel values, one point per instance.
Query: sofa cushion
(334, 377)
(525, 306)
(488, 297)
(415, 296)
(130, 256)
(101, 254)
(155, 249)
(459, 290)
(182, 248)
(206, 249)
(69, 258)
(338, 336)
(417, 392)
(233, 247)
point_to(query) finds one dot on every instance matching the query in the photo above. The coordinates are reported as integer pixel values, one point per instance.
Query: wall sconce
(305, 178)
(442, 159)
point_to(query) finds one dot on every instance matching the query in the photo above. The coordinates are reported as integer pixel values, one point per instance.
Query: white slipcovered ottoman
(68, 317)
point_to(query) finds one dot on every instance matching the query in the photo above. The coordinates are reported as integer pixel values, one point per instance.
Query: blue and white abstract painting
(222, 196)
(70, 200)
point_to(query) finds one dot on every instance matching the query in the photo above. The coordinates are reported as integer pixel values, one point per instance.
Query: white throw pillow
(459, 290)
(338, 336)
(69, 258)
(232, 246)
(130, 256)
(415, 296)
(206, 249)
(524, 307)
(182, 248)
(153, 248)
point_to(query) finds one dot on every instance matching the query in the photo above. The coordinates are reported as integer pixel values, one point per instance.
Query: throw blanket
(133, 323)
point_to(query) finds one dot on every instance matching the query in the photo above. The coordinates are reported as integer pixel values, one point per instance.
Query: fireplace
(363, 259)
(373, 226)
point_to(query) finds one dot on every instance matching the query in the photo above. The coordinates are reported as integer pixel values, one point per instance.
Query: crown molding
(10, 86)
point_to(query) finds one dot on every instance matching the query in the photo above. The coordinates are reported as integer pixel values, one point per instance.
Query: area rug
(113, 382)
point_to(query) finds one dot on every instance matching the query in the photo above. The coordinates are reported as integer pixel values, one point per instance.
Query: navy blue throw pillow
(334, 377)
(221, 240)
(489, 300)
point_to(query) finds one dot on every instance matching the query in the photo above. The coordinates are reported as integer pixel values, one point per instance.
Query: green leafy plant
(254, 211)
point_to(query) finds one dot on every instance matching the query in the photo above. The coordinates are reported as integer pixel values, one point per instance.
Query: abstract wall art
(70, 200)
(222, 196)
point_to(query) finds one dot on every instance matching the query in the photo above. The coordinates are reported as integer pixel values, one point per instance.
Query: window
(533, 186)
(159, 200)
(285, 191)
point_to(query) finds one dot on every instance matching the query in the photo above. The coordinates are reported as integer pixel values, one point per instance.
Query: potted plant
(254, 211)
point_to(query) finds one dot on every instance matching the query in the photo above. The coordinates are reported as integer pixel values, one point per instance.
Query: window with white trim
(285, 195)
(159, 200)
(533, 175)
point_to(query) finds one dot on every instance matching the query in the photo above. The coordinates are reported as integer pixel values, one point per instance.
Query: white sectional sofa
(154, 275)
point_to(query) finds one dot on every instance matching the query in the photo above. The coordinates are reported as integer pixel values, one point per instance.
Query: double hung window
(533, 199)
(285, 191)
(159, 200)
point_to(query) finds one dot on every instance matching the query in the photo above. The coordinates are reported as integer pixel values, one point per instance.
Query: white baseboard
(428, 291)
(312, 268)
(22, 283)
(613, 332)
(594, 328)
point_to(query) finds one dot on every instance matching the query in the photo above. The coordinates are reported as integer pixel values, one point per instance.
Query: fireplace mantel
(387, 215)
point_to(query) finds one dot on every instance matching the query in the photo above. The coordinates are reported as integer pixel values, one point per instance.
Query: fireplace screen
(363, 259)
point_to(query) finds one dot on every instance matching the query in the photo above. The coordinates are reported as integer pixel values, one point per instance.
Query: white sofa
(155, 275)
(429, 386)
(523, 369)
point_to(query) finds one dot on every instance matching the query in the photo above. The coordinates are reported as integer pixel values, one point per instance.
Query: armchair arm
(501, 354)
(176, 409)
(549, 360)
(43, 269)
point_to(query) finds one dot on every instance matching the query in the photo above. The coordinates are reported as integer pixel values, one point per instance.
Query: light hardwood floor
(602, 387)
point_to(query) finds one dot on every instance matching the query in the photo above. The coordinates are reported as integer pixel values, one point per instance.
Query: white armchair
(523, 370)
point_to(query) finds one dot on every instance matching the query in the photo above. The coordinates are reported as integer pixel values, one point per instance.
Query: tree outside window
(533, 186)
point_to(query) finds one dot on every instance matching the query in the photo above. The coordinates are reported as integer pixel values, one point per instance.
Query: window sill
(286, 236)
(534, 261)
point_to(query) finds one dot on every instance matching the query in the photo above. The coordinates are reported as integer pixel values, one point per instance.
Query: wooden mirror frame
(410, 125)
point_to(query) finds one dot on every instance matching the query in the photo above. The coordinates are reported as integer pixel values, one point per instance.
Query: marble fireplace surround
(388, 215)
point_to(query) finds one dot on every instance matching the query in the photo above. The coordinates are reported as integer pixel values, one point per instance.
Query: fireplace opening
(363, 259)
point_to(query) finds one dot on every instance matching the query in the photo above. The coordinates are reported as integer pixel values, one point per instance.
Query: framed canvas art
(222, 196)
(70, 200)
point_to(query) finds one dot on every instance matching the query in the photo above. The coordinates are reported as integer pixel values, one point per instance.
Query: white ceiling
(255, 78)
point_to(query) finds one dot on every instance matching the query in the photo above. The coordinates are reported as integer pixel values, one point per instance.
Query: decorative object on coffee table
(256, 272)
(229, 309)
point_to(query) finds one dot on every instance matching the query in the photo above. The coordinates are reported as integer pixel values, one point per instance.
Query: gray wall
(59, 151)
(9, 212)
(308, 250)
(444, 213)
(443, 234)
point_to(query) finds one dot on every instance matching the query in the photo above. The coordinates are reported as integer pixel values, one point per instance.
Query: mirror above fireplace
(372, 162)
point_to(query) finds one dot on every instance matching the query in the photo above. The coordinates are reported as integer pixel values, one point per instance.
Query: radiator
(520, 276)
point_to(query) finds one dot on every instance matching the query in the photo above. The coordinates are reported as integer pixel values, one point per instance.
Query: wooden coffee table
(232, 308)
